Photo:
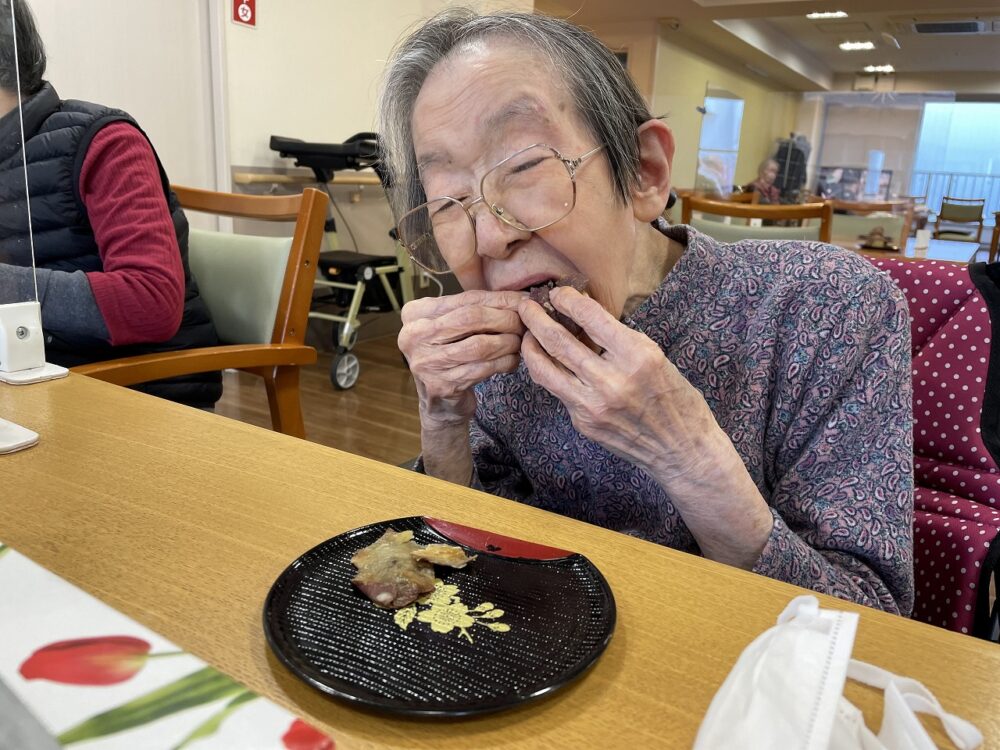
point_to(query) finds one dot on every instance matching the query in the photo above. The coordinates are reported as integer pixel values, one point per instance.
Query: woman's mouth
(540, 293)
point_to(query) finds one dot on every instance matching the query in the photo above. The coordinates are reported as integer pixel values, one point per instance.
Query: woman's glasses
(530, 190)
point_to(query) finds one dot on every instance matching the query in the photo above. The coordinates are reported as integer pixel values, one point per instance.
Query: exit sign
(245, 12)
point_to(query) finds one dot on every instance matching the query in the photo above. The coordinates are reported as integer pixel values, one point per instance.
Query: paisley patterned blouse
(802, 351)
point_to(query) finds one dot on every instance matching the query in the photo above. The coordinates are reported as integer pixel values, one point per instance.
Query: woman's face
(479, 106)
(769, 173)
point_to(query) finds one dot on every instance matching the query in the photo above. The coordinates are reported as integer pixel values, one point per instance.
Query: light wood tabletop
(182, 520)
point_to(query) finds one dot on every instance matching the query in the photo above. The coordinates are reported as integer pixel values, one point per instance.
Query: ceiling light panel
(856, 46)
(826, 14)
(879, 69)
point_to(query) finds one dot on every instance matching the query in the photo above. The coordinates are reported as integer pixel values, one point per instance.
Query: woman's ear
(656, 155)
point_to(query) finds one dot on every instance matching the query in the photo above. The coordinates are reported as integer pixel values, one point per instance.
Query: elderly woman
(767, 191)
(749, 402)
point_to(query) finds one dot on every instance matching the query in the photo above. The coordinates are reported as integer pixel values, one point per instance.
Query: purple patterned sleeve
(841, 434)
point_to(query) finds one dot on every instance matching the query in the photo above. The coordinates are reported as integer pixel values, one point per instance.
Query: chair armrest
(147, 367)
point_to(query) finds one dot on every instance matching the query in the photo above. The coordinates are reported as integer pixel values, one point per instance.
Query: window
(719, 144)
(958, 153)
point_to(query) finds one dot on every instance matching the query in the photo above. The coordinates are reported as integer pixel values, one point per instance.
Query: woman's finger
(457, 325)
(548, 372)
(600, 325)
(458, 380)
(477, 348)
(560, 344)
(435, 307)
(468, 321)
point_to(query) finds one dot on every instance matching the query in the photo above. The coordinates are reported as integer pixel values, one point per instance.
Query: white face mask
(786, 691)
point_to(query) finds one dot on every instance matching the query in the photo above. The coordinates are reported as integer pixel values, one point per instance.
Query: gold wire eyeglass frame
(572, 165)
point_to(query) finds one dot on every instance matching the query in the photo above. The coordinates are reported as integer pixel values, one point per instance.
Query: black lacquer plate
(519, 622)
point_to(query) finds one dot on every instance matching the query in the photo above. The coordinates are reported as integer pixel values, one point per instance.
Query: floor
(377, 418)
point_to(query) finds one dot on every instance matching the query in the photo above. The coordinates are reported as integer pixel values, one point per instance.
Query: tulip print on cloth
(94, 677)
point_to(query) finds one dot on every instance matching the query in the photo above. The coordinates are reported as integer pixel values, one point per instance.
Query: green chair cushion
(957, 236)
(240, 278)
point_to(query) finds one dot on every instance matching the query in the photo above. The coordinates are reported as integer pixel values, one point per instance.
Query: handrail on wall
(267, 178)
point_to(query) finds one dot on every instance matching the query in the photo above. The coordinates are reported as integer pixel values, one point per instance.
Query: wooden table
(948, 250)
(182, 520)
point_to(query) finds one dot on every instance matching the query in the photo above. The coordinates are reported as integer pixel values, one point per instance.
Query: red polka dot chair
(954, 312)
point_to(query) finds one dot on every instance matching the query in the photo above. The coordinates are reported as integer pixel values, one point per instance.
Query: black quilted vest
(58, 134)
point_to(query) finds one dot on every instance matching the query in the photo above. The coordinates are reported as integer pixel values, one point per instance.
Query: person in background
(110, 239)
(750, 402)
(767, 191)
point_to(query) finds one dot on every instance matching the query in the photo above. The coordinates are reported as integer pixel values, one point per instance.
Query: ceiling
(776, 40)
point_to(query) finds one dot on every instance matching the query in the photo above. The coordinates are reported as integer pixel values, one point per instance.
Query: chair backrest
(962, 209)
(747, 196)
(954, 316)
(705, 206)
(723, 232)
(868, 207)
(258, 289)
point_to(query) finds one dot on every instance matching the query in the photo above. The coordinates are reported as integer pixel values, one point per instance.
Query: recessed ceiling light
(855, 46)
(879, 69)
(827, 14)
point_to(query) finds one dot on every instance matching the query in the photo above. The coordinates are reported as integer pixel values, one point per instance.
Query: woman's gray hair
(30, 50)
(763, 165)
(605, 96)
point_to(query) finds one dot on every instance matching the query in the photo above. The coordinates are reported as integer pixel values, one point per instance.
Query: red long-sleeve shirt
(140, 292)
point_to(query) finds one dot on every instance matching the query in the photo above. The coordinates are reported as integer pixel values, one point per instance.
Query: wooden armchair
(258, 290)
(734, 233)
(960, 211)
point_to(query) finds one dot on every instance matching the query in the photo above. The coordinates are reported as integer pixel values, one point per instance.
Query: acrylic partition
(20, 324)
(16, 284)
(22, 348)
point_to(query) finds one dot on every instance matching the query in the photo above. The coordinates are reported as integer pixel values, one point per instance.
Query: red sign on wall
(245, 12)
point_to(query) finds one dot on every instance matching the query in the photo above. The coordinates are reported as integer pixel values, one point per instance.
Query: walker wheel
(352, 338)
(344, 370)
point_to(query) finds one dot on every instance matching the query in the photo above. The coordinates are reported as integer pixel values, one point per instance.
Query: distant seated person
(767, 191)
(748, 402)
(110, 239)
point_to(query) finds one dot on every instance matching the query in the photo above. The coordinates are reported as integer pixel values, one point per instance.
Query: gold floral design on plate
(444, 611)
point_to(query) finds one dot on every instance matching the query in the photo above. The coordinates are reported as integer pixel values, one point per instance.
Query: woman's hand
(634, 402)
(630, 398)
(452, 343)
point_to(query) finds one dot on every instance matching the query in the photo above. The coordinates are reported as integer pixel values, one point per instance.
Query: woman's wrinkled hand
(630, 398)
(454, 342)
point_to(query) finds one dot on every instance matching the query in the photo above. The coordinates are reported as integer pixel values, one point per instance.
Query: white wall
(311, 68)
(150, 59)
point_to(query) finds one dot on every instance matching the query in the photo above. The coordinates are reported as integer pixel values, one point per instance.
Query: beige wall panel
(681, 80)
(311, 69)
